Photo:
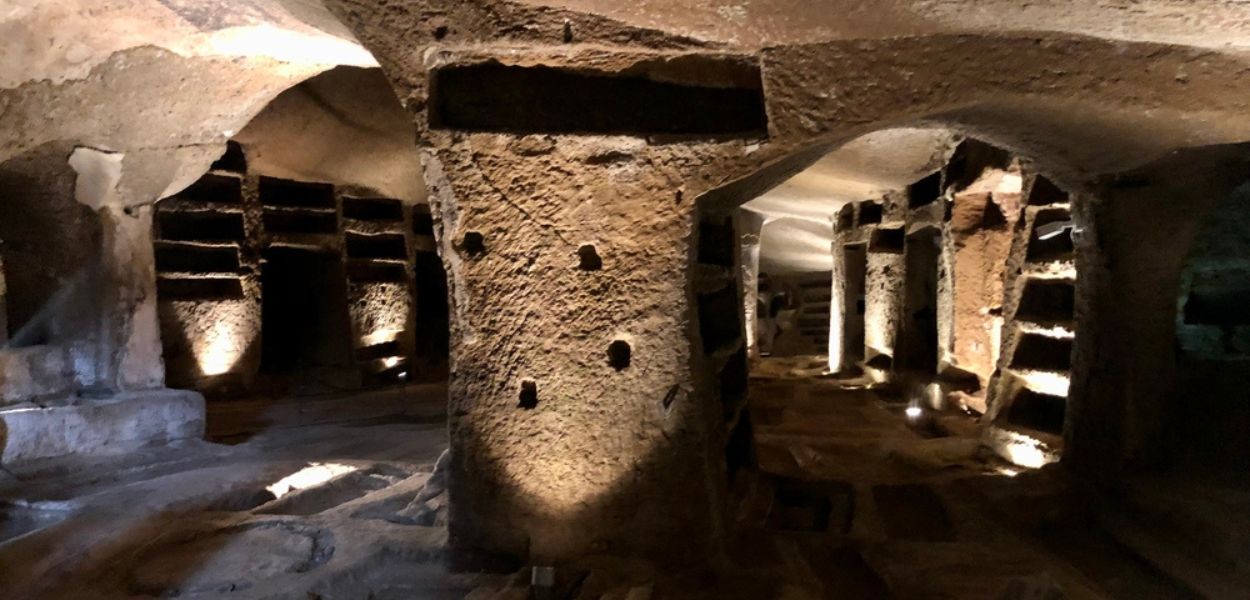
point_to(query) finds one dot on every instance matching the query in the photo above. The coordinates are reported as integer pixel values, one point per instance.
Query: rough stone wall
(979, 236)
(50, 244)
(343, 127)
(211, 289)
(535, 197)
(49, 240)
(1141, 402)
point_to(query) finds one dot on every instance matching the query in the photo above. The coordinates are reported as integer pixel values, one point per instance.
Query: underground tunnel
(586, 300)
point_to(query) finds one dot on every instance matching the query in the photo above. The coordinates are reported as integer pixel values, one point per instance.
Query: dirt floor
(853, 499)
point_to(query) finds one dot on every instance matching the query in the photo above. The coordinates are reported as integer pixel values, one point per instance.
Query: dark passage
(304, 318)
(920, 336)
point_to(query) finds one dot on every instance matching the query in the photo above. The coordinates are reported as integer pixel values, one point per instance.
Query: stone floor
(852, 500)
(856, 500)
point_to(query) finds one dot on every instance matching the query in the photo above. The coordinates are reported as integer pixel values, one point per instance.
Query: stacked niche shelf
(1041, 332)
(377, 253)
(298, 213)
(199, 233)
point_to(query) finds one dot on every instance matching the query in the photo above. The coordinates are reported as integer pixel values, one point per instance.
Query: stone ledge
(116, 424)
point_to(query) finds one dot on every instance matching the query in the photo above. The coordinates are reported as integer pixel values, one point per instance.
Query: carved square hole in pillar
(1041, 412)
(1055, 245)
(1045, 301)
(1045, 192)
(887, 240)
(925, 191)
(716, 242)
(588, 258)
(870, 213)
(1041, 353)
(719, 323)
(619, 355)
(473, 245)
(529, 395)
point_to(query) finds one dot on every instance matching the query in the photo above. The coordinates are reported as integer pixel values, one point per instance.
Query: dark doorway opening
(304, 317)
(854, 294)
(433, 318)
(920, 328)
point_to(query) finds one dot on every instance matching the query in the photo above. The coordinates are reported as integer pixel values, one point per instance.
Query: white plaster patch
(98, 171)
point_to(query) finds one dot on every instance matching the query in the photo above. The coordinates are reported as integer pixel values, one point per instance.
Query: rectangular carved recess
(719, 324)
(191, 258)
(1041, 412)
(716, 242)
(277, 221)
(295, 194)
(376, 246)
(683, 100)
(201, 225)
(887, 241)
(373, 209)
(200, 288)
(870, 213)
(373, 272)
(214, 188)
(925, 192)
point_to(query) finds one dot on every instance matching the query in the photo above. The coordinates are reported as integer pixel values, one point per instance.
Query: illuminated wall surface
(222, 247)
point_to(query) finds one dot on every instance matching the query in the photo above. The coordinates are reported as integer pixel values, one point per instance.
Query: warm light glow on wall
(1046, 382)
(836, 323)
(286, 45)
(230, 329)
(1020, 449)
(379, 337)
(220, 350)
(380, 312)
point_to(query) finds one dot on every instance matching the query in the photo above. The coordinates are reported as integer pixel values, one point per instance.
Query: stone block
(116, 424)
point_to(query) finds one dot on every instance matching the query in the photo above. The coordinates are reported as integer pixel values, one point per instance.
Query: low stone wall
(105, 426)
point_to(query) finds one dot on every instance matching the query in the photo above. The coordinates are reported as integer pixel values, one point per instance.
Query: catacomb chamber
(669, 267)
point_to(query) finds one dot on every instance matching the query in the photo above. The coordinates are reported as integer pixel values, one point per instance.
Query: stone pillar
(128, 273)
(749, 224)
(121, 188)
(574, 428)
(979, 241)
(883, 305)
(585, 408)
